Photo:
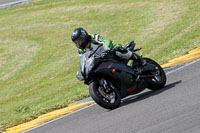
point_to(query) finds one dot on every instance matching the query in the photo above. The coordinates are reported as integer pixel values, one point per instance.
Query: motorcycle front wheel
(106, 99)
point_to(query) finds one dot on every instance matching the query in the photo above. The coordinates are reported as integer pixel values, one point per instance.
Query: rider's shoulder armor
(96, 39)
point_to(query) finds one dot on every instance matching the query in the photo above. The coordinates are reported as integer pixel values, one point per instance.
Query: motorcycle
(111, 79)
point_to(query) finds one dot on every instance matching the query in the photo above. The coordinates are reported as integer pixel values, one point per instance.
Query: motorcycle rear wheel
(106, 100)
(156, 82)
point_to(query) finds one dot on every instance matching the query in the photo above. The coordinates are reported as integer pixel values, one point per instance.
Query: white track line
(188, 64)
(58, 118)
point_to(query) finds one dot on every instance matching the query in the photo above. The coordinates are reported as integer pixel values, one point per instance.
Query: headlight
(90, 65)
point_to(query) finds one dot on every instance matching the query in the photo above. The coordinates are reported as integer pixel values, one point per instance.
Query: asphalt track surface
(10, 3)
(7, 1)
(174, 109)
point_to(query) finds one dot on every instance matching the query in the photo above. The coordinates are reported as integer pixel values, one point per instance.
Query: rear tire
(102, 99)
(157, 82)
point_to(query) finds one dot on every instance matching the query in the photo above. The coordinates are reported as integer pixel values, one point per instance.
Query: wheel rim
(109, 97)
(157, 77)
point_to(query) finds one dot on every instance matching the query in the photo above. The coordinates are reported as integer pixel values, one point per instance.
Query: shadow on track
(142, 96)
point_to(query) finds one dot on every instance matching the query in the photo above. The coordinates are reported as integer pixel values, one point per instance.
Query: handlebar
(108, 51)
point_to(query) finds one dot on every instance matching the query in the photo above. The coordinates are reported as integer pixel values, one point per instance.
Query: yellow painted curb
(192, 55)
(46, 117)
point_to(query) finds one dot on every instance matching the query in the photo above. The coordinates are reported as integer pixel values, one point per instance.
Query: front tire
(159, 81)
(106, 100)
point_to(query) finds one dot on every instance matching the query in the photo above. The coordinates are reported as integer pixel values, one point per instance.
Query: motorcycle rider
(85, 41)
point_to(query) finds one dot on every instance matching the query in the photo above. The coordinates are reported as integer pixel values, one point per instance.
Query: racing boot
(138, 58)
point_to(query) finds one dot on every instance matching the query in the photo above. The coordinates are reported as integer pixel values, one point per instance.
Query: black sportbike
(110, 79)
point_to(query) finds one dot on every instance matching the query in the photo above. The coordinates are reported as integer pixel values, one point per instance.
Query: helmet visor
(79, 42)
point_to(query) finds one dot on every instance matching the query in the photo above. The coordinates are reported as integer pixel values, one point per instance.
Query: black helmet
(80, 37)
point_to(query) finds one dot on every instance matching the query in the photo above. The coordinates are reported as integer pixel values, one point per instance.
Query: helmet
(80, 37)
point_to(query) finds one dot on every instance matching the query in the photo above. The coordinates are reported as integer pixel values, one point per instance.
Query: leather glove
(106, 52)
(120, 49)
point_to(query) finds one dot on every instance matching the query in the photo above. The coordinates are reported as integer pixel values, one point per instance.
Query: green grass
(38, 61)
